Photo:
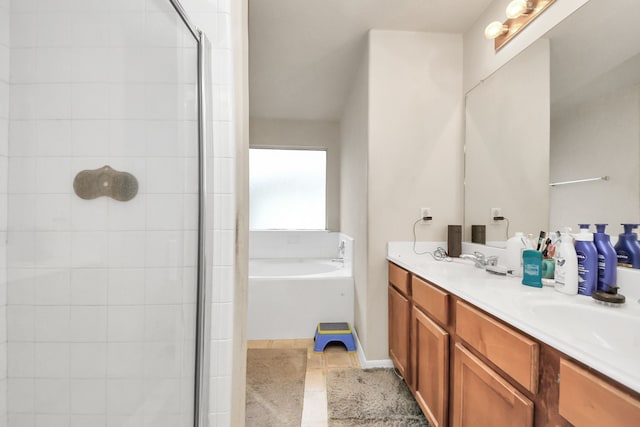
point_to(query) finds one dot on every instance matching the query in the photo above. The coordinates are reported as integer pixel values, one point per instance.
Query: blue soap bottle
(607, 259)
(628, 248)
(587, 261)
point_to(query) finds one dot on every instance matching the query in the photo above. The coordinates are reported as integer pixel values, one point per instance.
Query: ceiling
(303, 54)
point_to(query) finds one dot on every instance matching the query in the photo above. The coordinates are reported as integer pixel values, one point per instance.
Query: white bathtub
(289, 297)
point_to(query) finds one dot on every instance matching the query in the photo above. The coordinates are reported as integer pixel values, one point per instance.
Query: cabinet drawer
(586, 399)
(431, 299)
(511, 351)
(399, 278)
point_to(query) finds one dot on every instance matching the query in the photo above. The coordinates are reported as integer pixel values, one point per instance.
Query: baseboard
(369, 364)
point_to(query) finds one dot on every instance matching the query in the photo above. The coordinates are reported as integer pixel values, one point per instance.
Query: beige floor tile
(305, 343)
(355, 362)
(284, 344)
(338, 360)
(315, 380)
(315, 360)
(315, 406)
(323, 423)
(259, 344)
(335, 347)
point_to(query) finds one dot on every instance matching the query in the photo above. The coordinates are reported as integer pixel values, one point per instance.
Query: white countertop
(604, 338)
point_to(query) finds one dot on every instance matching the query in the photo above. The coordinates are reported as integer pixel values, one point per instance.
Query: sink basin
(603, 327)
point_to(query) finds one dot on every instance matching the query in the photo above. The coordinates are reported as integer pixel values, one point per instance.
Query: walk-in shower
(103, 189)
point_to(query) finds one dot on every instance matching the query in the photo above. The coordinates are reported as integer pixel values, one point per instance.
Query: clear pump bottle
(566, 271)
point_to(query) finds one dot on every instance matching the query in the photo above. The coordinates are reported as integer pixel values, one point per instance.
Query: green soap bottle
(532, 268)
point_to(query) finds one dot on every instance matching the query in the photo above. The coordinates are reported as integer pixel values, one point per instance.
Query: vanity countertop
(604, 338)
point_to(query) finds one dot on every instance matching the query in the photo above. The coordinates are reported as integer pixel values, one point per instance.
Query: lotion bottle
(587, 255)
(607, 259)
(566, 271)
(628, 248)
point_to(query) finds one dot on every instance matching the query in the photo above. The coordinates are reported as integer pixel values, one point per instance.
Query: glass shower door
(101, 281)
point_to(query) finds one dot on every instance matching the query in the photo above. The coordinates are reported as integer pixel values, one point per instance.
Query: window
(287, 189)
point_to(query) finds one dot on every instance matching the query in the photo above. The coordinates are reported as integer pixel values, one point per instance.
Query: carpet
(371, 398)
(275, 387)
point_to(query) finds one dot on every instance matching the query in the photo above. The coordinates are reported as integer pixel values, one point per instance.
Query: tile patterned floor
(314, 412)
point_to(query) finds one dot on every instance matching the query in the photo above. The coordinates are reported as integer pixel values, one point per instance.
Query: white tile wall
(5, 69)
(100, 293)
(44, 128)
(213, 16)
(294, 244)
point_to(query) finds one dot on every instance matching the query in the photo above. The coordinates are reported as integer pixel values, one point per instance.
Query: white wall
(271, 133)
(408, 127)
(507, 146)
(354, 136)
(4, 151)
(599, 137)
(480, 58)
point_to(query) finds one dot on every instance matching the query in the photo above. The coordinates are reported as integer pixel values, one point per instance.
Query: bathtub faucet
(341, 249)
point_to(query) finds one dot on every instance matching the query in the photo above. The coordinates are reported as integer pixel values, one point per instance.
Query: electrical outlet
(425, 213)
(494, 213)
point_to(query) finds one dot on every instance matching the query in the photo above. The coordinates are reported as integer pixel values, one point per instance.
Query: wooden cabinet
(587, 400)
(430, 367)
(399, 278)
(399, 319)
(482, 398)
(467, 368)
(432, 300)
(511, 351)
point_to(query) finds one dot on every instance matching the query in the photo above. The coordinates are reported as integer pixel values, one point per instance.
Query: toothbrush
(541, 241)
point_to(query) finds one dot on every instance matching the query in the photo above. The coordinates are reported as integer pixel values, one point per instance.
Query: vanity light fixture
(519, 14)
(518, 8)
(495, 29)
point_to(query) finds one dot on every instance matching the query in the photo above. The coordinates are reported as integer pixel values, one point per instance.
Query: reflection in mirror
(507, 147)
(594, 128)
(595, 116)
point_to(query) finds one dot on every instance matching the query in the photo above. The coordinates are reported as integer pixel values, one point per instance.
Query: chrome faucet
(340, 258)
(480, 260)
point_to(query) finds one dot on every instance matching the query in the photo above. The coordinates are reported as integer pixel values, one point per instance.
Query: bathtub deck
(314, 412)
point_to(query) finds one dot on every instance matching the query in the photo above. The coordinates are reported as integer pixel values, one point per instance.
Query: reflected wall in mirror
(594, 126)
(595, 116)
(507, 147)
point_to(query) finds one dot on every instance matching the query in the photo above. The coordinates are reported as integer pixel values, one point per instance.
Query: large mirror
(566, 109)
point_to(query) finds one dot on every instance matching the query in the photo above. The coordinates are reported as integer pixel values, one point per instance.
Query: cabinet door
(399, 313)
(481, 398)
(586, 400)
(430, 367)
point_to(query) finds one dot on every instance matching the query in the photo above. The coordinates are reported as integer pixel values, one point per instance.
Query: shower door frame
(201, 397)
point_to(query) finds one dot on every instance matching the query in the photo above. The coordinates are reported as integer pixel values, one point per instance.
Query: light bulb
(517, 8)
(495, 29)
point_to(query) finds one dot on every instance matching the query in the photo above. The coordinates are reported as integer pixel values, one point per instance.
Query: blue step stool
(331, 332)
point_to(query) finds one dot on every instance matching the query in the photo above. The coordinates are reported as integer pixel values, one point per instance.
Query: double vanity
(481, 349)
